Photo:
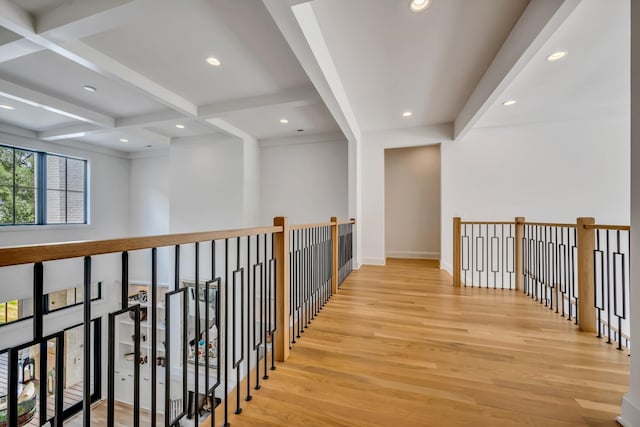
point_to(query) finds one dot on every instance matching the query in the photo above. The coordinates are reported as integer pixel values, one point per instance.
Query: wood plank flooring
(399, 346)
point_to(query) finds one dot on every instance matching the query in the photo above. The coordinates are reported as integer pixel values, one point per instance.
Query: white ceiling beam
(50, 103)
(151, 119)
(77, 19)
(538, 23)
(306, 44)
(97, 61)
(20, 22)
(291, 97)
(66, 132)
(17, 49)
(229, 129)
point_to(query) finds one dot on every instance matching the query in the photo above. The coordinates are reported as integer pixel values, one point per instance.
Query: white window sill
(46, 227)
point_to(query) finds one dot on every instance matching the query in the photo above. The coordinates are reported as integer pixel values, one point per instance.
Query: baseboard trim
(446, 267)
(374, 261)
(413, 255)
(630, 416)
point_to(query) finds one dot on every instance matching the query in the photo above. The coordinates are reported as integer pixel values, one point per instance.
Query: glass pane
(51, 378)
(25, 206)
(75, 207)
(6, 166)
(3, 313)
(56, 173)
(29, 360)
(73, 362)
(56, 207)
(4, 380)
(25, 169)
(6, 204)
(75, 174)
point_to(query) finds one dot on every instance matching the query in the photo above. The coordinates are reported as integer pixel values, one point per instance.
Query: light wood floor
(400, 347)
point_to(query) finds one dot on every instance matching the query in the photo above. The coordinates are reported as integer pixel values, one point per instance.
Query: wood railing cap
(28, 254)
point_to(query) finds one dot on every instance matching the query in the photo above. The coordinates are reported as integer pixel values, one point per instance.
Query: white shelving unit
(124, 337)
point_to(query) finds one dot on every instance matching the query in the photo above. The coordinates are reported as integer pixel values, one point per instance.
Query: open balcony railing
(194, 323)
(580, 271)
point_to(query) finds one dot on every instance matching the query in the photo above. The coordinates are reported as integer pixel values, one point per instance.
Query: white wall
(307, 182)
(206, 184)
(544, 172)
(150, 198)
(372, 182)
(631, 401)
(412, 202)
(251, 180)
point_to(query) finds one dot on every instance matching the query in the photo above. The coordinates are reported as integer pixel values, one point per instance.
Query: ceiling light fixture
(124, 140)
(180, 126)
(509, 102)
(89, 88)
(419, 5)
(214, 61)
(6, 107)
(407, 114)
(557, 55)
(284, 121)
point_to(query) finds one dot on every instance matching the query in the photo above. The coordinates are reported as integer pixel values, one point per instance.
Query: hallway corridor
(398, 346)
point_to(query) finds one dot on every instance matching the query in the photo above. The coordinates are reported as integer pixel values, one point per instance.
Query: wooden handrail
(607, 227)
(351, 221)
(487, 222)
(550, 224)
(29, 254)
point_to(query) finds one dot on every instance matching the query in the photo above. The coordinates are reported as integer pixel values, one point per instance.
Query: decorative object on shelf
(51, 382)
(27, 395)
(129, 356)
(142, 296)
(160, 361)
(143, 338)
(133, 298)
(204, 348)
(28, 369)
(143, 314)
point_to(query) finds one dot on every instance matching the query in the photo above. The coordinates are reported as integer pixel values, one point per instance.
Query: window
(17, 186)
(41, 188)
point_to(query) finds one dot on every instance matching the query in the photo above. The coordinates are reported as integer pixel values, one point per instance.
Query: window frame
(40, 189)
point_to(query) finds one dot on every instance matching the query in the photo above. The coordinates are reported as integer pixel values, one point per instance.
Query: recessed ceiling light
(419, 5)
(6, 107)
(89, 88)
(300, 130)
(284, 121)
(180, 126)
(214, 61)
(509, 102)
(407, 114)
(557, 55)
(124, 140)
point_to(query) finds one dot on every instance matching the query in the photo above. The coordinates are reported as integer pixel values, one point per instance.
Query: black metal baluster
(125, 280)
(154, 335)
(608, 289)
(257, 331)
(86, 366)
(272, 280)
(249, 322)
(226, 332)
(266, 310)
